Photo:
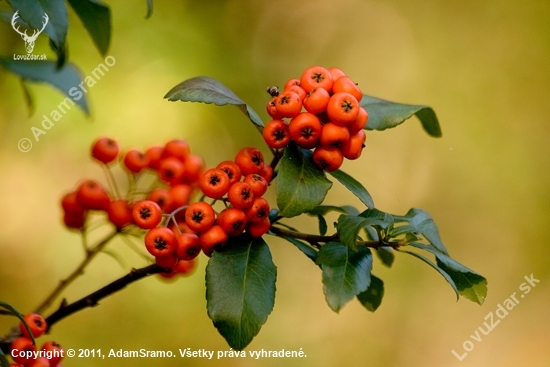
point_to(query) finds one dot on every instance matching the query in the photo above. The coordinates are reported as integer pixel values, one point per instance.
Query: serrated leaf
(307, 250)
(349, 227)
(65, 79)
(385, 254)
(32, 12)
(470, 284)
(354, 186)
(209, 90)
(346, 273)
(385, 115)
(12, 311)
(96, 17)
(372, 297)
(301, 185)
(240, 289)
(439, 270)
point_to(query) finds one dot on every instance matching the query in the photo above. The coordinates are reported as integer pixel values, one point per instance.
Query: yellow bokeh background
(482, 65)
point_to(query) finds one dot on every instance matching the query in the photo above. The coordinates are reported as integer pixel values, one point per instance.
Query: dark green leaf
(96, 17)
(424, 224)
(469, 283)
(149, 9)
(350, 225)
(65, 79)
(385, 254)
(32, 12)
(372, 297)
(301, 185)
(12, 311)
(208, 90)
(382, 219)
(240, 289)
(354, 186)
(385, 114)
(325, 209)
(346, 273)
(439, 270)
(3, 360)
(322, 225)
(307, 250)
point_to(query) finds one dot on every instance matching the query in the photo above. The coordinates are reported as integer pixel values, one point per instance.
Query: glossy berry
(240, 195)
(316, 101)
(199, 216)
(328, 158)
(258, 211)
(232, 170)
(316, 77)
(290, 83)
(135, 161)
(171, 169)
(271, 109)
(342, 108)
(214, 183)
(146, 214)
(334, 135)
(212, 240)
(232, 221)
(360, 122)
(257, 183)
(354, 146)
(153, 156)
(276, 134)
(298, 90)
(160, 241)
(177, 148)
(336, 73)
(55, 350)
(91, 195)
(258, 229)
(345, 84)
(189, 246)
(105, 150)
(288, 104)
(250, 160)
(267, 172)
(162, 198)
(119, 213)
(37, 325)
(305, 129)
(24, 346)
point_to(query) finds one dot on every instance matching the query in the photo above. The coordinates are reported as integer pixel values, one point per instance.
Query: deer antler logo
(29, 40)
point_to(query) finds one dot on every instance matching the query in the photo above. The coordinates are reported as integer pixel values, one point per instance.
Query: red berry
(119, 213)
(258, 211)
(240, 195)
(257, 183)
(146, 214)
(258, 229)
(212, 240)
(232, 169)
(232, 221)
(21, 349)
(188, 247)
(105, 150)
(250, 160)
(91, 195)
(55, 351)
(160, 241)
(214, 183)
(37, 325)
(200, 216)
(135, 161)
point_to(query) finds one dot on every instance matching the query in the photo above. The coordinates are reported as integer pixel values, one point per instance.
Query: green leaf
(12, 311)
(96, 17)
(149, 9)
(3, 360)
(372, 297)
(350, 225)
(439, 270)
(302, 246)
(325, 209)
(301, 185)
(240, 289)
(385, 114)
(346, 273)
(380, 218)
(208, 90)
(425, 225)
(470, 284)
(354, 186)
(385, 254)
(65, 79)
(32, 12)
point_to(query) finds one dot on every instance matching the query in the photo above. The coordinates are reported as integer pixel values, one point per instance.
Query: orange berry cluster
(24, 352)
(197, 227)
(174, 165)
(325, 115)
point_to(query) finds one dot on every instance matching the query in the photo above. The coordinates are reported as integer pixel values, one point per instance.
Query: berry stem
(111, 181)
(90, 254)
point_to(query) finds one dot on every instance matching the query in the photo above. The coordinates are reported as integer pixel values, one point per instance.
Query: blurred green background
(482, 65)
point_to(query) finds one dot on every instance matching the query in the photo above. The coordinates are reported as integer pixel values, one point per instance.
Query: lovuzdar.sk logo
(29, 40)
